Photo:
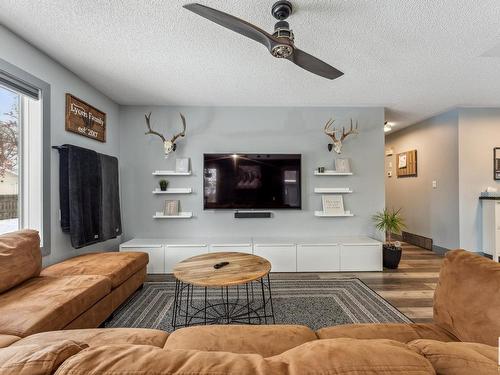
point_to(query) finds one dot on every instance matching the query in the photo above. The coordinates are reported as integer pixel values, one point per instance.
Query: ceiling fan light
(282, 51)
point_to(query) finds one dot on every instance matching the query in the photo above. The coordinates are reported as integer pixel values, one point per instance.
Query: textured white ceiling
(417, 58)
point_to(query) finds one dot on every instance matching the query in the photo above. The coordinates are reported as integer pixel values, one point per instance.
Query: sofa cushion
(47, 303)
(320, 357)
(6, 340)
(352, 356)
(100, 336)
(20, 258)
(37, 359)
(118, 267)
(467, 297)
(392, 331)
(266, 340)
(459, 358)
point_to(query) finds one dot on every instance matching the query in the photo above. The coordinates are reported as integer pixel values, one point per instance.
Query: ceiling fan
(280, 43)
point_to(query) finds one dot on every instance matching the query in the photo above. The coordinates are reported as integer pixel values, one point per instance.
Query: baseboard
(418, 240)
(435, 248)
(440, 250)
(489, 256)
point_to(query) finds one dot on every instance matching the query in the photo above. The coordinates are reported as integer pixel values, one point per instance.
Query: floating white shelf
(332, 190)
(171, 173)
(173, 191)
(182, 215)
(322, 214)
(332, 173)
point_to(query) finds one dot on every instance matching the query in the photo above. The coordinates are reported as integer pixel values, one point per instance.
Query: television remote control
(220, 265)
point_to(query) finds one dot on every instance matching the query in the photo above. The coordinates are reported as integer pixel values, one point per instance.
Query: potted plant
(390, 222)
(163, 185)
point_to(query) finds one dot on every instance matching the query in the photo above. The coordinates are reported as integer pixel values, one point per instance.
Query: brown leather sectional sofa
(462, 341)
(78, 293)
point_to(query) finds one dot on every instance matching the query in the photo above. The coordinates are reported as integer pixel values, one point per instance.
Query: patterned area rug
(314, 303)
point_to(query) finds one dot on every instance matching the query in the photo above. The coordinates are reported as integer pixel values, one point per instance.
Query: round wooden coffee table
(218, 288)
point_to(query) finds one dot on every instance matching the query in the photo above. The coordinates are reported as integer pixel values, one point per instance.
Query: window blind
(15, 84)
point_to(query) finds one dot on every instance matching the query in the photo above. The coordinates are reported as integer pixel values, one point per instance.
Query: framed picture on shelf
(343, 165)
(333, 204)
(171, 207)
(182, 165)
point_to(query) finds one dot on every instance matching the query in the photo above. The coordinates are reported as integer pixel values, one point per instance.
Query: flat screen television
(251, 181)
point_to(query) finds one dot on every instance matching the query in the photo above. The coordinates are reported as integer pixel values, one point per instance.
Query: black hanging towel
(63, 188)
(80, 189)
(111, 225)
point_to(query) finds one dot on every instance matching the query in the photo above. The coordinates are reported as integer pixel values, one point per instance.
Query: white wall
(249, 129)
(478, 134)
(23, 55)
(430, 212)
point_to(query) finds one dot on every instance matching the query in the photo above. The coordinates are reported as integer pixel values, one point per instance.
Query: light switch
(434, 184)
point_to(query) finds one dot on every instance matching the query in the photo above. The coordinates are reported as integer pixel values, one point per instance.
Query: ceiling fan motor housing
(282, 30)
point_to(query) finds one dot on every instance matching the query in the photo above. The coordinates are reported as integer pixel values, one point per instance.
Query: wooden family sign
(83, 119)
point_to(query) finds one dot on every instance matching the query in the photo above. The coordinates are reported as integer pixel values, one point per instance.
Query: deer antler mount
(169, 145)
(331, 131)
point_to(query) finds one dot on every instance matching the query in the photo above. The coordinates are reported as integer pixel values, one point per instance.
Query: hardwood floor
(410, 288)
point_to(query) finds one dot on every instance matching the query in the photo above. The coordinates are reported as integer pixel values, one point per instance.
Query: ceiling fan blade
(233, 23)
(314, 65)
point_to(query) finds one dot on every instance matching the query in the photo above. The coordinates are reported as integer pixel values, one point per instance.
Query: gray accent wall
(430, 212)
(249, 129)
(18, 52)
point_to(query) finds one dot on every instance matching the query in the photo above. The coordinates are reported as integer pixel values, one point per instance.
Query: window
(20, 162)
(9, 160)
(24, 157)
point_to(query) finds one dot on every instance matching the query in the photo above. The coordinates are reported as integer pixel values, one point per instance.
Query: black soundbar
(252, 215)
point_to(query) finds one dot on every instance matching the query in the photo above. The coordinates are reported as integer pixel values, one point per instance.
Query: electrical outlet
(434, 184)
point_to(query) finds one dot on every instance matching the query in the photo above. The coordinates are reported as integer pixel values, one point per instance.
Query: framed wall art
(496, 163)
(84, 119)
(407, 164)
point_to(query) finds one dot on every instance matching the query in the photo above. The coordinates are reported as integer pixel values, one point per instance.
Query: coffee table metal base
(249, 303)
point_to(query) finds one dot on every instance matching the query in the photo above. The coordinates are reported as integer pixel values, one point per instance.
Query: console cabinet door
(156, 257)
(176, 253)
(240, 248)
(318, 258)
(354, 257)
(283, 257)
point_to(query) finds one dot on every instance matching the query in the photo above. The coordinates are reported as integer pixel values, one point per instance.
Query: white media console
(329, 254)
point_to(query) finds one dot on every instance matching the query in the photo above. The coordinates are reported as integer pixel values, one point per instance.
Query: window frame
(44, 97)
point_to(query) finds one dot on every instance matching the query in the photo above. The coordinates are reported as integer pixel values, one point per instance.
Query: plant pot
(391, 256)
(163, 186)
